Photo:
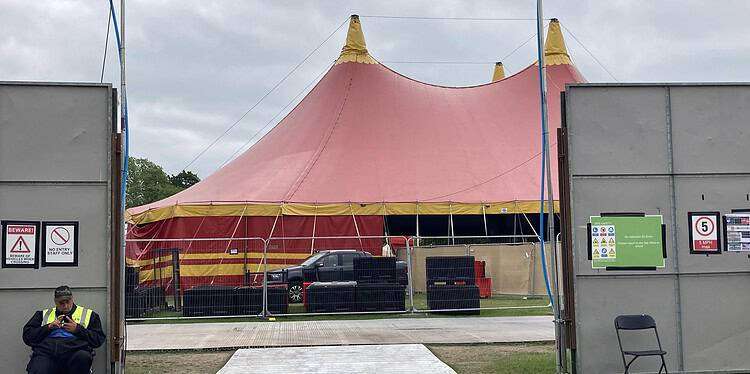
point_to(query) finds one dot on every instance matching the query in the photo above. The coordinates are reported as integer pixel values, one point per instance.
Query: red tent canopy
(368, 142)
(366, 134)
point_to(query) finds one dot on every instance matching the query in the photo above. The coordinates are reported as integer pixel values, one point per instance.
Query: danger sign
(704, 232)
(20, 244)
(60, 243)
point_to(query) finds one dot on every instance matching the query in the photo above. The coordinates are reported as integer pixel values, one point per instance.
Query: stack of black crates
(208, 300)
(375, 288)
(217, 300)
(331, 297)
(248, 300)
(450, 284)
(378, 287)
(141, 299)
(134, 307)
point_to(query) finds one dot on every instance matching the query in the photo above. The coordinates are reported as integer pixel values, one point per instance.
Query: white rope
(187, 250)
(229, 243)
(450, 216)
(265, 259)
(315, 221)
(356, 227)
(484, 218)
(416, 206)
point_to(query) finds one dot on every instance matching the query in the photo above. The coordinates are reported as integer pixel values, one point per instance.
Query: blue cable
(542, 228)
(123, 185)
(540, 53)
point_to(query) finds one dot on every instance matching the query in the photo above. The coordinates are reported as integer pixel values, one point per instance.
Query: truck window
(330, 260)
(348, 258)
(312, 259)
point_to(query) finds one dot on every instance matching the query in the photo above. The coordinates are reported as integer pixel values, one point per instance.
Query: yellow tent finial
(499, 73)
(555, 52)
(355, 49)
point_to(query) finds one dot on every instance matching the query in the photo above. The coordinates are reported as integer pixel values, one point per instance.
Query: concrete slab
(363, 359)
(467, 330)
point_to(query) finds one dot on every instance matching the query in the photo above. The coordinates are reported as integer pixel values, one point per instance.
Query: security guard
(63, 338)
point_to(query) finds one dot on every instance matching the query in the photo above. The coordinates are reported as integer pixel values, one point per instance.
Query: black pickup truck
(325, 266)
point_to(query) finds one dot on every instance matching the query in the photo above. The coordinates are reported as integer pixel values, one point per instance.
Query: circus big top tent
(365, 144)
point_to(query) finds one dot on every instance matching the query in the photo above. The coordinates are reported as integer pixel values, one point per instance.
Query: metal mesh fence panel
(175, 278)
(343, 275)
(277, 277)
(470, 278)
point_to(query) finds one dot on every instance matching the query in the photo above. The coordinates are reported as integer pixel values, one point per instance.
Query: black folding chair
(638, 322)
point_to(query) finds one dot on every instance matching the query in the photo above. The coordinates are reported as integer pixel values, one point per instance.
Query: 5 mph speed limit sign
(704, 232)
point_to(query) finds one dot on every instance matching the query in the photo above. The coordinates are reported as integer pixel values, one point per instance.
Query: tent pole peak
(499, 72)
(355, 49)
(555, 51)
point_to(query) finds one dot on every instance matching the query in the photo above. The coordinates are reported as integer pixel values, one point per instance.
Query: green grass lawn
(464, 359)
(535, 307)
(206, 361)
(537, 358)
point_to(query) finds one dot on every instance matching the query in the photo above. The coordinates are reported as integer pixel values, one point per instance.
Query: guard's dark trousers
(78, 362)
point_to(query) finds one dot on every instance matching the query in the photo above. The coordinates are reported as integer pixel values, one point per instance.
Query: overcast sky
(194, 67)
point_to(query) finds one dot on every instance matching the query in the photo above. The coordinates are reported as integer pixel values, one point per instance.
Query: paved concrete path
(361, 359)
(351, 332)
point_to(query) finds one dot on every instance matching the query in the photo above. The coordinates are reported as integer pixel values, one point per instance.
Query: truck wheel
(295, 292)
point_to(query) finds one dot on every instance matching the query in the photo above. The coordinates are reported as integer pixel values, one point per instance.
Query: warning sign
(704, 232)
(626, 241)
(20, 244)
(737, 229)
(60, 243)
(603, 243)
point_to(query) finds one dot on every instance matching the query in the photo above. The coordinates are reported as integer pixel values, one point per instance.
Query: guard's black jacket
(88, 338)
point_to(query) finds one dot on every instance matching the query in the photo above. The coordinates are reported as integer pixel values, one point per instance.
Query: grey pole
(120, 368)
(409, 274)
(265, 279)
(560, 359)
(122, 63)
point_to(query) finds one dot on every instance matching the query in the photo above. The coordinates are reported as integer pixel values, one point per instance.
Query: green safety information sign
(627, 241)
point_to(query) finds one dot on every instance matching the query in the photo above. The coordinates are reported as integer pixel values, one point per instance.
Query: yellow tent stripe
(219, 256)
(208, 270)
(331, 209)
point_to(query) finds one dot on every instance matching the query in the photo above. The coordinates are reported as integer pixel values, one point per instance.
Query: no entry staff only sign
(60, 243)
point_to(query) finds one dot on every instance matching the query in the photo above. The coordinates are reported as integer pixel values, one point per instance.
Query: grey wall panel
(711, 127)
(601, 298)
(721, 193)
(54, 165)
(54, 133)
(618, 130)
(717, 329)
(83, 203)
(24, 303)
(703, 311)
(593, 196)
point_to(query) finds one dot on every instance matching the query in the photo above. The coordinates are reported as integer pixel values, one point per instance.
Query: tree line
(147, 182)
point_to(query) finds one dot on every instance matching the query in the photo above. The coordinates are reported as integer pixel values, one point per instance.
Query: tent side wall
(217, 249)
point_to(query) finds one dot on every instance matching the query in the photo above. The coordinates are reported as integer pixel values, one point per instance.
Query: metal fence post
(409, 275)
(532, 270)
(265, 279)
